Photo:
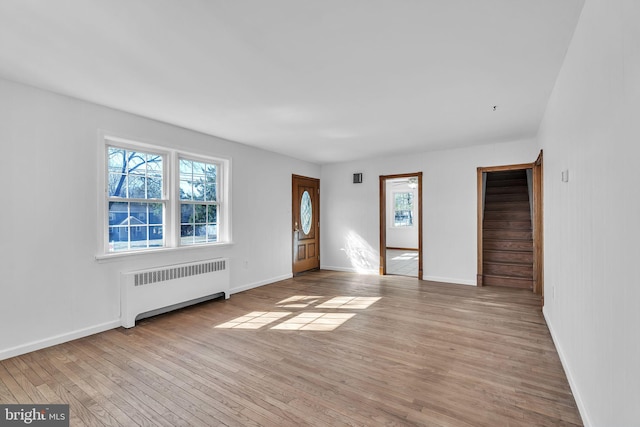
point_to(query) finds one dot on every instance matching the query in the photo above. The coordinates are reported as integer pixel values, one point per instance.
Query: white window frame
(170, 195)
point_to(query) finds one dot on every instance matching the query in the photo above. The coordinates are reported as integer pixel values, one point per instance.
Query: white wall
(401, 237)
(592, 223)
(350, 216)
(51, 287)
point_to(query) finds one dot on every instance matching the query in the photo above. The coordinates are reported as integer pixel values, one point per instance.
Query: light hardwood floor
(325, 349)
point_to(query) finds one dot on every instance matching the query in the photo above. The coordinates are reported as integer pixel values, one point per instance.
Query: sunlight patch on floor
(299, 301)
(358, 303)
(254, 320)
(314, 322)
(307, 320)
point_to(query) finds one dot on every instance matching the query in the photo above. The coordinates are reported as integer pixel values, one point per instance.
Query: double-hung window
(136, 199)
(160, 198)
(198, 202)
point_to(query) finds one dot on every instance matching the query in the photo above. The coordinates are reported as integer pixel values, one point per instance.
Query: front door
(305, 222)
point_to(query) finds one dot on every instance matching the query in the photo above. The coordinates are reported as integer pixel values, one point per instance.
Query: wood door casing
(383, 220)
(306, 245)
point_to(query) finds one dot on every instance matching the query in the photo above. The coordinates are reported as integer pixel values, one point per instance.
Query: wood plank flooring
(322, 349)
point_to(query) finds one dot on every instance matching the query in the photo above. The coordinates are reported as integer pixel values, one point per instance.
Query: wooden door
(305, 223)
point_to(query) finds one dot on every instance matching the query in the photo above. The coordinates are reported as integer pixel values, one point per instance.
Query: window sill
(133, 254)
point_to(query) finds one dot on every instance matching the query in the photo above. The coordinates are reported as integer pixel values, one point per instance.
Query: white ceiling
(324, 81)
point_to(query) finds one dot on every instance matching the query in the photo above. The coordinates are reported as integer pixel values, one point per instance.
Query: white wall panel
(592, 222)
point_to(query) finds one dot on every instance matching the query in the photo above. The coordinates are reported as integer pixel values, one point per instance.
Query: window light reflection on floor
(359, 303)
(299, 301)
(314, 322)
(307, 320)
(254, 320)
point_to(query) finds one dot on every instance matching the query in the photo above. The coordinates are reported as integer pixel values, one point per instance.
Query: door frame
(293, 221)
(383, 220)
(536, 221)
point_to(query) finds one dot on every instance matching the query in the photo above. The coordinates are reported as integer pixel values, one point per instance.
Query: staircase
(506, 230)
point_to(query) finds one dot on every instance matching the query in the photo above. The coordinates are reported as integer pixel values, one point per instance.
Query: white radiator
(146, 293)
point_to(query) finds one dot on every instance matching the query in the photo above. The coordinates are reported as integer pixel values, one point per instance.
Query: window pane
(136, 162)
(212, 214)
(117, 185)
(200, 214)
(186, 213)
(199, 168)
(118, 234)
(154, 188)
(138, 236)
(118, 212)
(186, 190)
(186, 167)
(138, 214)
(198, 181)
(156, 238)
(137, 186)
(212, 233)
(116, 159)
(186, 234)
(155, 213)
(154, 165)
(198, 187)
(210, 191)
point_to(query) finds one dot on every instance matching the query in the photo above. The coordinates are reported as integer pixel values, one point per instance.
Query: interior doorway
(510, 234)
(401, 224)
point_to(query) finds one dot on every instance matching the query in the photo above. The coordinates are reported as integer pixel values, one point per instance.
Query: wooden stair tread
(507, 263)
(490, 280)
(518, 224)
(508, 257)
(522, 182)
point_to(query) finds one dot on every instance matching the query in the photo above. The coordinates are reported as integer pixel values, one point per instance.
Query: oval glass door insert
(305, 212)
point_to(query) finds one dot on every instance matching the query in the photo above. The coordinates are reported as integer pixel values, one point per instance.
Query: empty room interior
(386, 212)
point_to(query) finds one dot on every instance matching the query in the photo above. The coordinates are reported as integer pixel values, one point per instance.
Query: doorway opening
(510, 236)
(401, 224)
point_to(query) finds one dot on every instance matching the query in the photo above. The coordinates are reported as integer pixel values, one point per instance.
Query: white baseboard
(376, 273)
(260, 283)
(450, 280)
(567, 370)
(349, 270)
(57, 339)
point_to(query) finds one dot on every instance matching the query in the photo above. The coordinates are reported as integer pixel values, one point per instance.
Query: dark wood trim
(420, 258)
(383, 220)
(480, 214)
(383, 226)
(538, 227)
(507, 167)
